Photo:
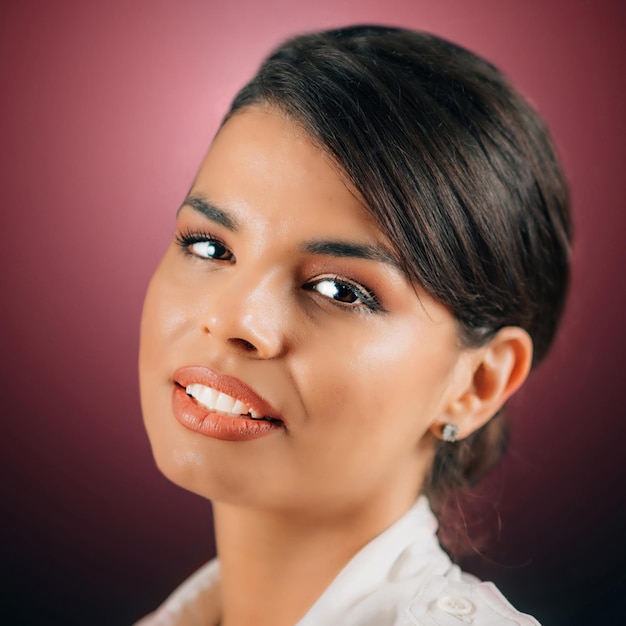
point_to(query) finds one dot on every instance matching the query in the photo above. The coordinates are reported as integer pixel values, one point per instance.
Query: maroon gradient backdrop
(105, 112)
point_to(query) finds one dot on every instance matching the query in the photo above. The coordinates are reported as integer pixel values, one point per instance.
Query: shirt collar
(406, 547)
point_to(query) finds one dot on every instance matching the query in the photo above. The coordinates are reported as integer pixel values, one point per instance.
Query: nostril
(246, 345)
(238, 341)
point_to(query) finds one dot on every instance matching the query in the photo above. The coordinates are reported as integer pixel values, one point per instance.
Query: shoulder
(443, 601)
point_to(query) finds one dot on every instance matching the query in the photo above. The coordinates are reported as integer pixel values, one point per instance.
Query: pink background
(106, 110)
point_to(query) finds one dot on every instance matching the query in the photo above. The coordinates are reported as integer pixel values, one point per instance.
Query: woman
(371, 258)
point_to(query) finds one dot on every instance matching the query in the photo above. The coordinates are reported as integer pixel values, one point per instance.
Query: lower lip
(215, 425)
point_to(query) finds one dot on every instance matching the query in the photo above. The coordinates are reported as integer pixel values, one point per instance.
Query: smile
(220, 402)
(221, 406)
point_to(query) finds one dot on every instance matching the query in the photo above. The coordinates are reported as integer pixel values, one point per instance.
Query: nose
(244, 312)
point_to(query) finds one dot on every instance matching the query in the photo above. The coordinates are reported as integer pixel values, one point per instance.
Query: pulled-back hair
(458, 171)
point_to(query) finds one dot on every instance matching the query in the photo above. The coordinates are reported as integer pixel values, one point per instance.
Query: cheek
(166, 316)
(385, 374)
(163, 320)
(152, 347)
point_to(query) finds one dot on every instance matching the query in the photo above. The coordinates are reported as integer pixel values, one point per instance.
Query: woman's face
(279, 290)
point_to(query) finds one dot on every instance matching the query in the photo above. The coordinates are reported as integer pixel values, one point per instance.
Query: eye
(203, 246)
(344, 292)
(211, 249)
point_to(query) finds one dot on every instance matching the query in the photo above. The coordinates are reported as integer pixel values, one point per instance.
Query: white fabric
(401, 578)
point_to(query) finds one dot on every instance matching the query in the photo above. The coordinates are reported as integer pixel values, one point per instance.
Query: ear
(490, 375)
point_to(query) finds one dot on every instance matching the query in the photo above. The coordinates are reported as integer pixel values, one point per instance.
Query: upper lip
(198, 374)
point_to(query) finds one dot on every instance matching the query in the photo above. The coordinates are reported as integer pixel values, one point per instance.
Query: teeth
(224, 403)
(207, 396)
(240, 408)
(220, 402)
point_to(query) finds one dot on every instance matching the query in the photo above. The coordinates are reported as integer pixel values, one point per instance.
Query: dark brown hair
(459, 172)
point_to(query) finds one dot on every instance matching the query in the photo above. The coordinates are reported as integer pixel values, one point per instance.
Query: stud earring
(450, 432)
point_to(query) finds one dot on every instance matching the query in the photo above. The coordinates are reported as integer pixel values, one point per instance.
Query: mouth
(222, 406)
(221, 403)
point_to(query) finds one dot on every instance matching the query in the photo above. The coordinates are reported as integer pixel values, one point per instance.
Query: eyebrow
(215, 214)
(347, 249)
(325, 247)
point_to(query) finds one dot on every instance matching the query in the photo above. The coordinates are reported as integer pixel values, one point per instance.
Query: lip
(216, 425)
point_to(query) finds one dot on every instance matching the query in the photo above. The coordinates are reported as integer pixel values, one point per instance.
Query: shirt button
(455, 605)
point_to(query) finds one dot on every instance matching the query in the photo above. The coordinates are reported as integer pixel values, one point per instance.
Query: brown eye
(211, 249)
(345, 293)
(337, 290)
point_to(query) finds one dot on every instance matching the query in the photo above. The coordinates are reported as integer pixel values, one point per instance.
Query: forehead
(263, 161)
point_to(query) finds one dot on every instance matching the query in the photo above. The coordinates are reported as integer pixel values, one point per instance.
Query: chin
(208, 469)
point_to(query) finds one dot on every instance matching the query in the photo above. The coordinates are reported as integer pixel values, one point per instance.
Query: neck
(274, 566)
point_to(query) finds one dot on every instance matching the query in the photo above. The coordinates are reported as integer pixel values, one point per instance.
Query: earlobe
(497, 371)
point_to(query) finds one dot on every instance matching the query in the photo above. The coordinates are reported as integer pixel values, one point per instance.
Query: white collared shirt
(401, 578)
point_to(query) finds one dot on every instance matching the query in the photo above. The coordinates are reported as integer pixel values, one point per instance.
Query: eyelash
(368, 299)
(187, 238)
(369, 302)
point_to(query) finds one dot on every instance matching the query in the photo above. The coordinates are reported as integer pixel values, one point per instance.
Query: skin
(362, 392)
